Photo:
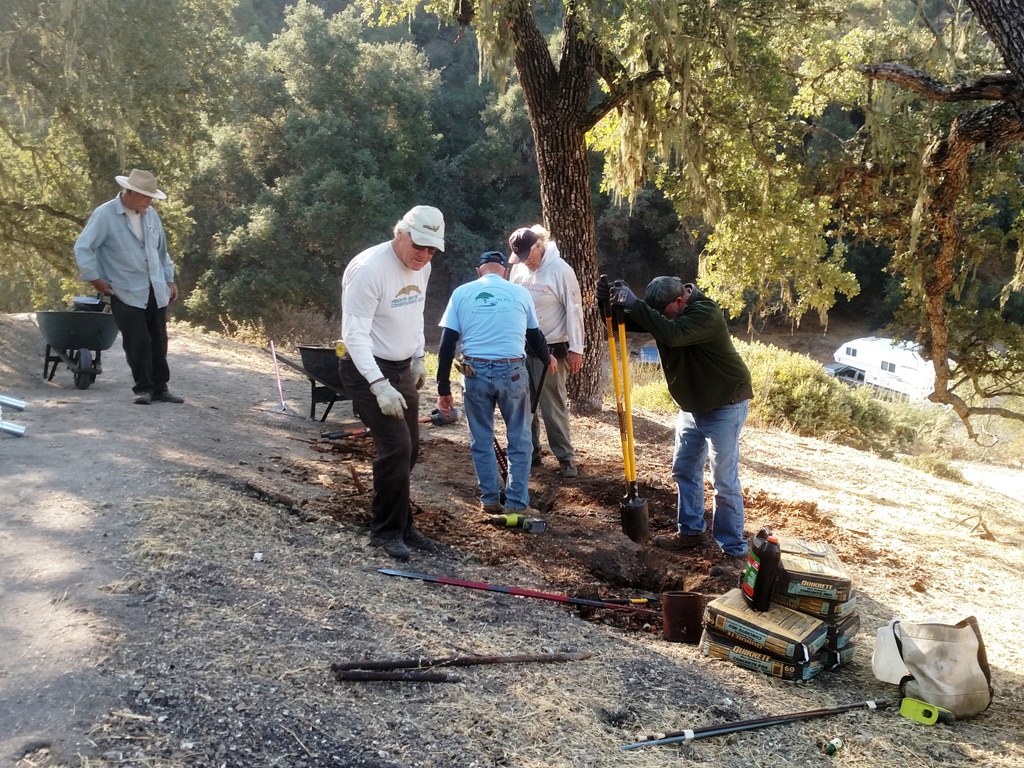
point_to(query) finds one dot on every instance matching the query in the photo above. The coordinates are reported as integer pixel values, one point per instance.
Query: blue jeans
(714, 435)
(505, 385)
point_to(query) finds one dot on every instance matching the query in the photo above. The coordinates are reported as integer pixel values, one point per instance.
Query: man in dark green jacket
(710, 383)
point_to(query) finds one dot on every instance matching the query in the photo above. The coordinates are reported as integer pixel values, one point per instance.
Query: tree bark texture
(556, 101)
(1004, 22)
(993, 128)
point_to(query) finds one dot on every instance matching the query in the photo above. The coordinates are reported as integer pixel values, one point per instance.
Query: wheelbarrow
(320, 366)
(77, 338)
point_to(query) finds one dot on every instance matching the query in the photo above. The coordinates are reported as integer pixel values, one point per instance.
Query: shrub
(648, 389)
(792, 391)
(935, 466)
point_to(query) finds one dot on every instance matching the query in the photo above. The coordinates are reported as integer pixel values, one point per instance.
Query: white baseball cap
(426, 226)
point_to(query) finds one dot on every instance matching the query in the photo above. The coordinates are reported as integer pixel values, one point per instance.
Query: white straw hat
(142, 182)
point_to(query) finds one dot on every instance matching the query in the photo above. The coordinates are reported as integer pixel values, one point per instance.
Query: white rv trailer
(894, 367)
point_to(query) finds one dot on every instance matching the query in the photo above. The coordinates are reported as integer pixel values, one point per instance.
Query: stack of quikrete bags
(809, 625)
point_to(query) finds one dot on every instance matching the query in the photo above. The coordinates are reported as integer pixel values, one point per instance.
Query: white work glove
(419, 371)
(389, 399)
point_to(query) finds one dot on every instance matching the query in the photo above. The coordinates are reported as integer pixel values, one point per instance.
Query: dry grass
(253, 605)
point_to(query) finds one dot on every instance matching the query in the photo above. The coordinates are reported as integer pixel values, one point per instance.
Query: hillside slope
(178, 579)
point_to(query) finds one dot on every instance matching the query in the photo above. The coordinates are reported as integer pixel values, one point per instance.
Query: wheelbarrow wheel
(84, 378)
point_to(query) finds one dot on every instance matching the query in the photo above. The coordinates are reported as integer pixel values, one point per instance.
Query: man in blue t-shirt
(495, 321)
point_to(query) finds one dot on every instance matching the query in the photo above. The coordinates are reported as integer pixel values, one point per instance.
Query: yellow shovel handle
(619, 401)
(630, 451)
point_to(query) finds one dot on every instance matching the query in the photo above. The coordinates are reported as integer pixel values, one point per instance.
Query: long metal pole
(748, 725)
(516, 591)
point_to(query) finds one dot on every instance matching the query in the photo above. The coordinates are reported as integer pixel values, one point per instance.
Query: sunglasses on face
(416, 247)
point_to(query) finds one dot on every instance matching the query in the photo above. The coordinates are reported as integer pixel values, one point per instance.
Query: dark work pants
(397, 442)
(144, 338)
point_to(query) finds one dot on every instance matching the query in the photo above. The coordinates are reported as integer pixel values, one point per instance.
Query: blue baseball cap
(493, 257)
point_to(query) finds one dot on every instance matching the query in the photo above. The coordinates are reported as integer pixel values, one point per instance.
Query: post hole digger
(633, 511)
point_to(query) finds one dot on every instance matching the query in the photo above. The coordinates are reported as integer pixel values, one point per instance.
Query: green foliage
(329, 140)
(934, 465)
(721, 136)
(793, 392)
(647, 388)
(645, 240)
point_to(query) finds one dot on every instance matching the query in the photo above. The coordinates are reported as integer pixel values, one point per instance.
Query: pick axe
(632, 508)
(436, 417)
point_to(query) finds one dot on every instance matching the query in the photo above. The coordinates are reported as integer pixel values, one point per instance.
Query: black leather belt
(499, 360)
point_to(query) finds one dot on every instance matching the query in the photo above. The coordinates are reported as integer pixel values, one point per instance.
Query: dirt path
(69, 485)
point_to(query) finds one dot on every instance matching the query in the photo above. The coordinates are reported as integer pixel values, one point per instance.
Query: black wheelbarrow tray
(77, 338)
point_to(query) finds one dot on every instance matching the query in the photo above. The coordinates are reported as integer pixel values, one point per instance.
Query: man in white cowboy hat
(122, 252)
(383, 294)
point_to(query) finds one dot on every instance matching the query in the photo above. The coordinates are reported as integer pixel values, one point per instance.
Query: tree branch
(42, 208)
(620, 95)
(995, 87)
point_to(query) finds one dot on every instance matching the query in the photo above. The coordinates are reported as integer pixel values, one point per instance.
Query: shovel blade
(634, 518)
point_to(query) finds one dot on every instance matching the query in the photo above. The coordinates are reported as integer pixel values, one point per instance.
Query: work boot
(397, 548)
(417, 540)
(493, 509)
(528, 512)
(536, 462)
(569, 468)
(730, 569)
(144, 398)
(167, 397)
(677, 542)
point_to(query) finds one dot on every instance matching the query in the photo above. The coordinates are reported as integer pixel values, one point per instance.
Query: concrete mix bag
(780, 632)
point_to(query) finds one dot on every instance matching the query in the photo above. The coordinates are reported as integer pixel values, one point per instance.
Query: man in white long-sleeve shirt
(540, 268)
(383, 293)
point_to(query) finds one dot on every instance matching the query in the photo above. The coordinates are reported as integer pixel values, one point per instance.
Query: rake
(282, 407)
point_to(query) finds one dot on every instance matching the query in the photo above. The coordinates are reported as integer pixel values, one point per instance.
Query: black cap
(522, 240)
(493, 257)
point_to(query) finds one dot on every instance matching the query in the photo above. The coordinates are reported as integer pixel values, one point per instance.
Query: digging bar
(748, 725)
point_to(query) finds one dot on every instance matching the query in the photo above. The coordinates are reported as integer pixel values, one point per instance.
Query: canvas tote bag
(946, 665)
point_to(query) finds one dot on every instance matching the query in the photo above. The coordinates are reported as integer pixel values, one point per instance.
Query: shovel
(633, 512)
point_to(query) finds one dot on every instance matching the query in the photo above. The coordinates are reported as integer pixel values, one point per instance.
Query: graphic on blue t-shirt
(486, 298)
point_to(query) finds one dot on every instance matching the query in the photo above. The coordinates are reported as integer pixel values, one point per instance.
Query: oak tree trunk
(556, 101)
